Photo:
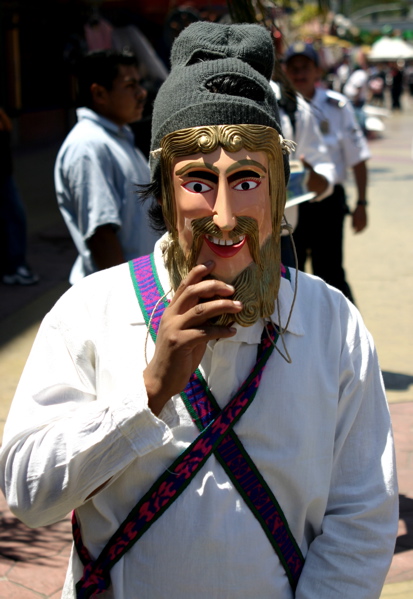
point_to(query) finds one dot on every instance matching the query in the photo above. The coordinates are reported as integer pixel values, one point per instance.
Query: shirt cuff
(140, 426)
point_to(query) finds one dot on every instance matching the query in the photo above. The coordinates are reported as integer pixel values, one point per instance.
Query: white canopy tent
(391, 48)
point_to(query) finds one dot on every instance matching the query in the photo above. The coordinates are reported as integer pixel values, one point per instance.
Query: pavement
(378, 263)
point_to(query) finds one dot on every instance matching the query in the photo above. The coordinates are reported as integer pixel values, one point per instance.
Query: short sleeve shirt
(342, 135)
(97, 176)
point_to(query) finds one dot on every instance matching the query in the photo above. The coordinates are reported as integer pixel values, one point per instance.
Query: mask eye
(247, 185)
(197, 187)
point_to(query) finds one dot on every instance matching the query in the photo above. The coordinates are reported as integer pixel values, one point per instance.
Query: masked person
(248, 452)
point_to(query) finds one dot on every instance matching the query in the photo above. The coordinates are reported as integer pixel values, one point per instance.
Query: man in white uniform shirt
(218, 431)
(299, 124)
(319, 232)
(98, 168)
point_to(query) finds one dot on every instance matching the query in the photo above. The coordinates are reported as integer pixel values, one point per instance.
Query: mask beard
(256, 286)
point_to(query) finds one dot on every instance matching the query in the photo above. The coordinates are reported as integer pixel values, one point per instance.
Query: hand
(359, 217)
(184, 332)
(315, 182)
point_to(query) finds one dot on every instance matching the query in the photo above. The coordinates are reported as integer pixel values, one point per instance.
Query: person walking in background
(377, 84)
(14, 269)
(356, 87)
(98, 169)
(396, 88)
(343, 72)
(408, 73)
(356, 90)
(299, 124)
(320, 225)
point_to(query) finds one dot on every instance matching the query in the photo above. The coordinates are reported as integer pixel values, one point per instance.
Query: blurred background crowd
(42, 41)
(365, 51)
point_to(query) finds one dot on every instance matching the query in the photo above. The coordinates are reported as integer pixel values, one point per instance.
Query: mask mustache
(246, 225)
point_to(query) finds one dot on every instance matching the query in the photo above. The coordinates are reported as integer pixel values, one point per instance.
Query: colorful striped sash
(216, 436)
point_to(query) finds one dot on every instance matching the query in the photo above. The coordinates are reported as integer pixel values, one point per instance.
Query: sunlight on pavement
(13, 356)
(398, 590)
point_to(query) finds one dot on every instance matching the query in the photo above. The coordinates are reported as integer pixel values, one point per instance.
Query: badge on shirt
(324, 127)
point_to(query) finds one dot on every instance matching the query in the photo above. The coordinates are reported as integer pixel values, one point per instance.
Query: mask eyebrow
(246, 162)
(206, 175)
(197, 165)
(243, 175)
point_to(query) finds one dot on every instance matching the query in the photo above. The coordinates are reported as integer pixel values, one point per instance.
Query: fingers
(196, 303)
(194, 288)
(199, 315)
(201, 335)
(202, 313)
(196, 275)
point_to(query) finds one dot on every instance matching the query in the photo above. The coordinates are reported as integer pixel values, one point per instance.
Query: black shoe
(22, 276)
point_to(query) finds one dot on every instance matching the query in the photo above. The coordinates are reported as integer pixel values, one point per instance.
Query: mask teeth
(218, 241)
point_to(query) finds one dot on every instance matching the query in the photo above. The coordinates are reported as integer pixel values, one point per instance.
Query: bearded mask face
(225, 203)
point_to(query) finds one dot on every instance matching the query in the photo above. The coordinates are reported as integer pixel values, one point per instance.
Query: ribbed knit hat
(202, 52)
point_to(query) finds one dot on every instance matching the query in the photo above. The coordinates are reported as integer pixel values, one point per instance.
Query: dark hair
(153, 191)
(100, 67)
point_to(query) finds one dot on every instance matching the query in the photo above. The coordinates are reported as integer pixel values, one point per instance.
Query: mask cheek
(265, 229)
(262, 214)
(265, 218)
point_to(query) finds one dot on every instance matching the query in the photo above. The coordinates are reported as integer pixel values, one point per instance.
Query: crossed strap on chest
(216, 436)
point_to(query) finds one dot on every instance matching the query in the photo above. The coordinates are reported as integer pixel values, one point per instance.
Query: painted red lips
(224, 251)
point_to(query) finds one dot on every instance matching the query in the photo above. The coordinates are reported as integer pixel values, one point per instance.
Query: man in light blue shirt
(98, 169)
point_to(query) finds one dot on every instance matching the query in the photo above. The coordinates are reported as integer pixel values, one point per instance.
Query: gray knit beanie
(200, 54)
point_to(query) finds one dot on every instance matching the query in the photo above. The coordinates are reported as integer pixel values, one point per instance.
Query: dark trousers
(319, 236)
(12, 227)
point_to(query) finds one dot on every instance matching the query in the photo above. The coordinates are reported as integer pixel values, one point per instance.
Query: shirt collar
(124, 131)
(253, 333)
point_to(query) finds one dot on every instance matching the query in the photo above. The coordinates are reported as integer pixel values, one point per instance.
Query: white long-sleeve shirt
(318, 430)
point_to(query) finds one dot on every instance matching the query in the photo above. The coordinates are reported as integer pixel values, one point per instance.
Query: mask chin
(256, 286)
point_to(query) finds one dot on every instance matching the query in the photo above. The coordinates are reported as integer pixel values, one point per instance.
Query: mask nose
(223, 214)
